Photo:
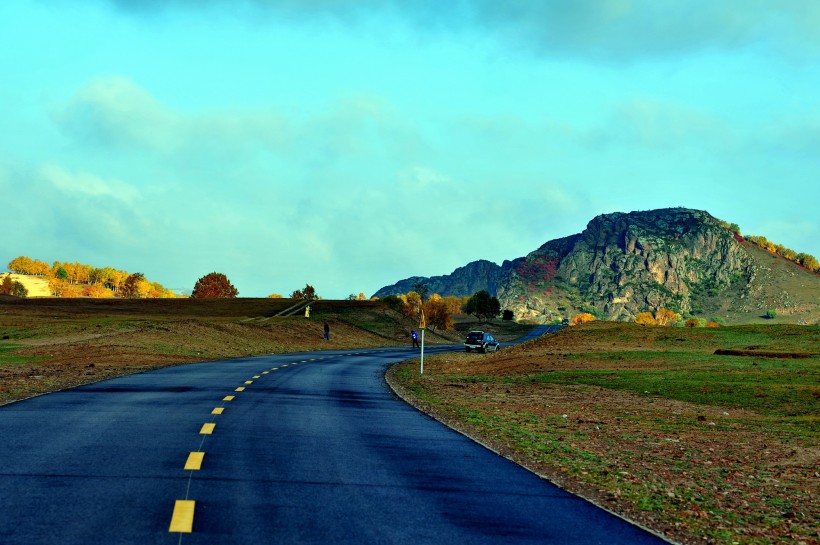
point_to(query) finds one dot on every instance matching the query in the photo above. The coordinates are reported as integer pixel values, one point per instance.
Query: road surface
(299, 448)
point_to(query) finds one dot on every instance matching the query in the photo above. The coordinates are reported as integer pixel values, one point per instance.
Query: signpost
(422, 325)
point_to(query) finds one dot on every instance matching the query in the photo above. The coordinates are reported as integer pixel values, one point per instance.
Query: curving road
(299, 448)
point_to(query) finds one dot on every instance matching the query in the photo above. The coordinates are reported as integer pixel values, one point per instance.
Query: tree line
(807, 261)
(67, 279)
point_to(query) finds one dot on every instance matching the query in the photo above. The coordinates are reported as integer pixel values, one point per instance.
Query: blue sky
(349, 144)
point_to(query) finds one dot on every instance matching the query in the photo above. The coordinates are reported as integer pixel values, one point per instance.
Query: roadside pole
(422, 325)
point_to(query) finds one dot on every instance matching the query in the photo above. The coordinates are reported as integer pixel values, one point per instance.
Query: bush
(645, 318)
(771, 314)
(712, 324)
(692, 322)
(18, 290)
(582, 318)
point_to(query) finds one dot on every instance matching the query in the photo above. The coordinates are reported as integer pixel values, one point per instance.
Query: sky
(349, 144)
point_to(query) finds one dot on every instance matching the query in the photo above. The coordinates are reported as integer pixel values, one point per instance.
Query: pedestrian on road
(307, 311)
(327, 332)
(415, 336)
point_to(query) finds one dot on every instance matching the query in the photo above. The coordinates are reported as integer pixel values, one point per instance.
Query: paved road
(315, 449)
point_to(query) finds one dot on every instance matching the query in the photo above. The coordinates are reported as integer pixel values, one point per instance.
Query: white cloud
(89, 185)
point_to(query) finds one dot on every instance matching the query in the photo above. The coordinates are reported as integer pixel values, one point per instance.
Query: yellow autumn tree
(97, 291)
(645, 318)
(666, 317)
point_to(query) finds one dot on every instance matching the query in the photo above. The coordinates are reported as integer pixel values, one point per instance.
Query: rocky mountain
(466, 280)
(625, 263)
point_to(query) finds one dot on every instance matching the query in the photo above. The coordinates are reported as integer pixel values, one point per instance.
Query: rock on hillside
(466, 280)
(625, 263)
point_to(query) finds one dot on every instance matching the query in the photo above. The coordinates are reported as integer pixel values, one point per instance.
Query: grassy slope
(648, 421)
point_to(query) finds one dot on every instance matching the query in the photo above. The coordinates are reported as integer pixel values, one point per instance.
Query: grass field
(647, 421)
(651, 423)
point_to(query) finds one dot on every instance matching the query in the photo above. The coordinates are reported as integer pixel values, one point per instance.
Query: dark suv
(483, 342)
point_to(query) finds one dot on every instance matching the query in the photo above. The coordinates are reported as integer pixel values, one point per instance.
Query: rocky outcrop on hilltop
(625, 263)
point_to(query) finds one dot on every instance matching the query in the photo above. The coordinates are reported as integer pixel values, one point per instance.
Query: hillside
(37, 286)
(625, 263)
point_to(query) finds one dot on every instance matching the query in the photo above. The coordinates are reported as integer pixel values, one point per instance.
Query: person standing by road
(327, 332)
(415, 336)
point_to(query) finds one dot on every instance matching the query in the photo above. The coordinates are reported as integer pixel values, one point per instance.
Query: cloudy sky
(352, 143)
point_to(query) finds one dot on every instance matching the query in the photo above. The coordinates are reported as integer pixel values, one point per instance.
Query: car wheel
(467, 348)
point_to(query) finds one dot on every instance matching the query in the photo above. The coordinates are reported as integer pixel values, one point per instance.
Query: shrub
(692, 322)
(582, 318)
(18, 290)
(712, 324)
(645, 318)
(771, 314)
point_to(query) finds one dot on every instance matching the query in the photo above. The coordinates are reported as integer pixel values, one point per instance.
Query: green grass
(770, 387)
(8, 357)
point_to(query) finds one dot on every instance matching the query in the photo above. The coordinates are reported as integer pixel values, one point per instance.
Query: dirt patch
(761, 354)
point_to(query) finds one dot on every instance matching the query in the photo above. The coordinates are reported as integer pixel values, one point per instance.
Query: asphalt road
(313, 448)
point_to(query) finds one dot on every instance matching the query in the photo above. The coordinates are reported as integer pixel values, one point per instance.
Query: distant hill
(625, 263)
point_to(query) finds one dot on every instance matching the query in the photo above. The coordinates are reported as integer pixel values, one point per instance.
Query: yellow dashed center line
(228, 398)
(207, 429)
(256, 376)
(274, 368)
(240, 389)
(194, 462)
(182, 520)
(248, 382)
(285, 365)
(217, 410)
(265, 372)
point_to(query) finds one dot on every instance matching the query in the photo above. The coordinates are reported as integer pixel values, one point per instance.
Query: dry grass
(650, 423)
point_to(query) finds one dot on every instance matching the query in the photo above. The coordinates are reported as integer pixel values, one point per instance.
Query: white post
(422, 352)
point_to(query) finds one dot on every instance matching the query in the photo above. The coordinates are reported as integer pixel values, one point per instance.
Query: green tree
(214, 286)
(482, 305)
(808, 261)
(18, 290)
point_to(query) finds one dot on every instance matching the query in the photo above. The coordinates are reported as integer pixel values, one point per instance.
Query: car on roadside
(481, 342)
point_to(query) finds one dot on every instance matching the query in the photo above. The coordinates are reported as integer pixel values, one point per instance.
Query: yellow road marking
(194, 461)
(274, 368)
(207, 429)
(182, 520)
(217, 410)
(265, 372)
(248, 382)
(240, 389)
(256, 376)
(285, 365)
(228, 398)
